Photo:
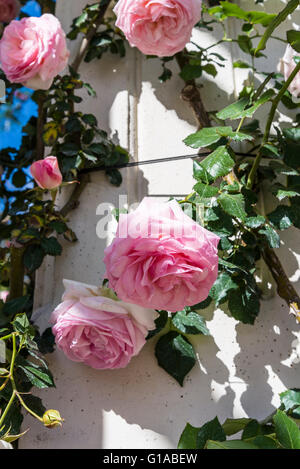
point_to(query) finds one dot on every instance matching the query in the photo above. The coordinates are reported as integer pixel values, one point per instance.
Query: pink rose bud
(160, 258)
(160, 28)
(97, 330)
(46, 173)
(286, 66)
(33, 51)
(9, 9)
(4, 295)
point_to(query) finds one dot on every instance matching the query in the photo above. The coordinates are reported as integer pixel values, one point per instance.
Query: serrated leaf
(175, 355)
(51, 246)
(271, 236)
(38, 376)
(217, 164)
(205, 191)
(160, 323)
(209, 135)
(233, 110)
(233, 204)
(221, 287)
(255, 222)
(281, 217)
(190, 323)
(33, 257)
(243, 305)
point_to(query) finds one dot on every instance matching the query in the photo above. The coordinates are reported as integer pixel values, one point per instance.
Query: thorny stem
(89, 36)
(192, 96)
(16, 272)
(276, 101)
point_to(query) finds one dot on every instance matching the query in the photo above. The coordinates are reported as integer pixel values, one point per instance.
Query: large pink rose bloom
(286, 66)
(158, 27)
(33, 51)
(9, 9)
(97, 330)
(161, 258)
(46, 173)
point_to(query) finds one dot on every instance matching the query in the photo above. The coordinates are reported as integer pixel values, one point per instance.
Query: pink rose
(46, 173)
(97, 330)
(158, 27)
(9, 9)
(4, 295)
(286, 66)
(33, 51)
(161, 258)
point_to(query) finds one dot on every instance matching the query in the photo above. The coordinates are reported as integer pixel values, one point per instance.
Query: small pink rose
(4, 295)
(46, 173)
(97, 330)
(286, 66)
(161, 259)
(9, 9)
(158, 27)
(33, 51)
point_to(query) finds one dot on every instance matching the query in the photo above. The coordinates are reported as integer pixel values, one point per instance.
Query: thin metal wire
(155, 161)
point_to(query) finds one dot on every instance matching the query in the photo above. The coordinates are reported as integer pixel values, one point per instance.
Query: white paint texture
(241, 368)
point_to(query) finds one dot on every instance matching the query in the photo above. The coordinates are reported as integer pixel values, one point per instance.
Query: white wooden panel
(241, 369)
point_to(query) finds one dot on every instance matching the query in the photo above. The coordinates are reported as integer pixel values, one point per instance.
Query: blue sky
(14, 117)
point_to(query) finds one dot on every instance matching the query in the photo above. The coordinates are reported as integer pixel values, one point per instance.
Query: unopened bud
(52, 418)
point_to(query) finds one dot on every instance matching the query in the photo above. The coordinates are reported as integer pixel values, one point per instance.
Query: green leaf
(209, 135)
(255, 222)
(287, 431)
(205, 191)
(188, 438)
(11, 308)
(243, 305)
(281, 217)
(51, 246)
(190, 323)
(233, 204)
(245, 43)
(210, 69)
(293, 37)
(160, 323)
(114, 177)
(217, 164)
(210, 431)
(190, 72)
(290, 398)
(271, 236)
(175, 355)
(241, 64)
(234, 110)
(38, 376)
(33, 257)
(264, 442)
(21, 324)
(221, 287)
(231, 444)
(232, 426)
(265, 97)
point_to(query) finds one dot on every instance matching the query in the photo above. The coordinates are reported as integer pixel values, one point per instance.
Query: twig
(40, 146)
(16, 281)
(192, 96)
(73, 201)
(88, 37)
(285, 288)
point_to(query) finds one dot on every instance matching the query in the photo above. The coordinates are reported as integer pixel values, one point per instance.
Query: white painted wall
(241, 369)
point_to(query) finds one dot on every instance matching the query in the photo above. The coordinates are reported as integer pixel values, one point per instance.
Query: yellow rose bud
(52, 418)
